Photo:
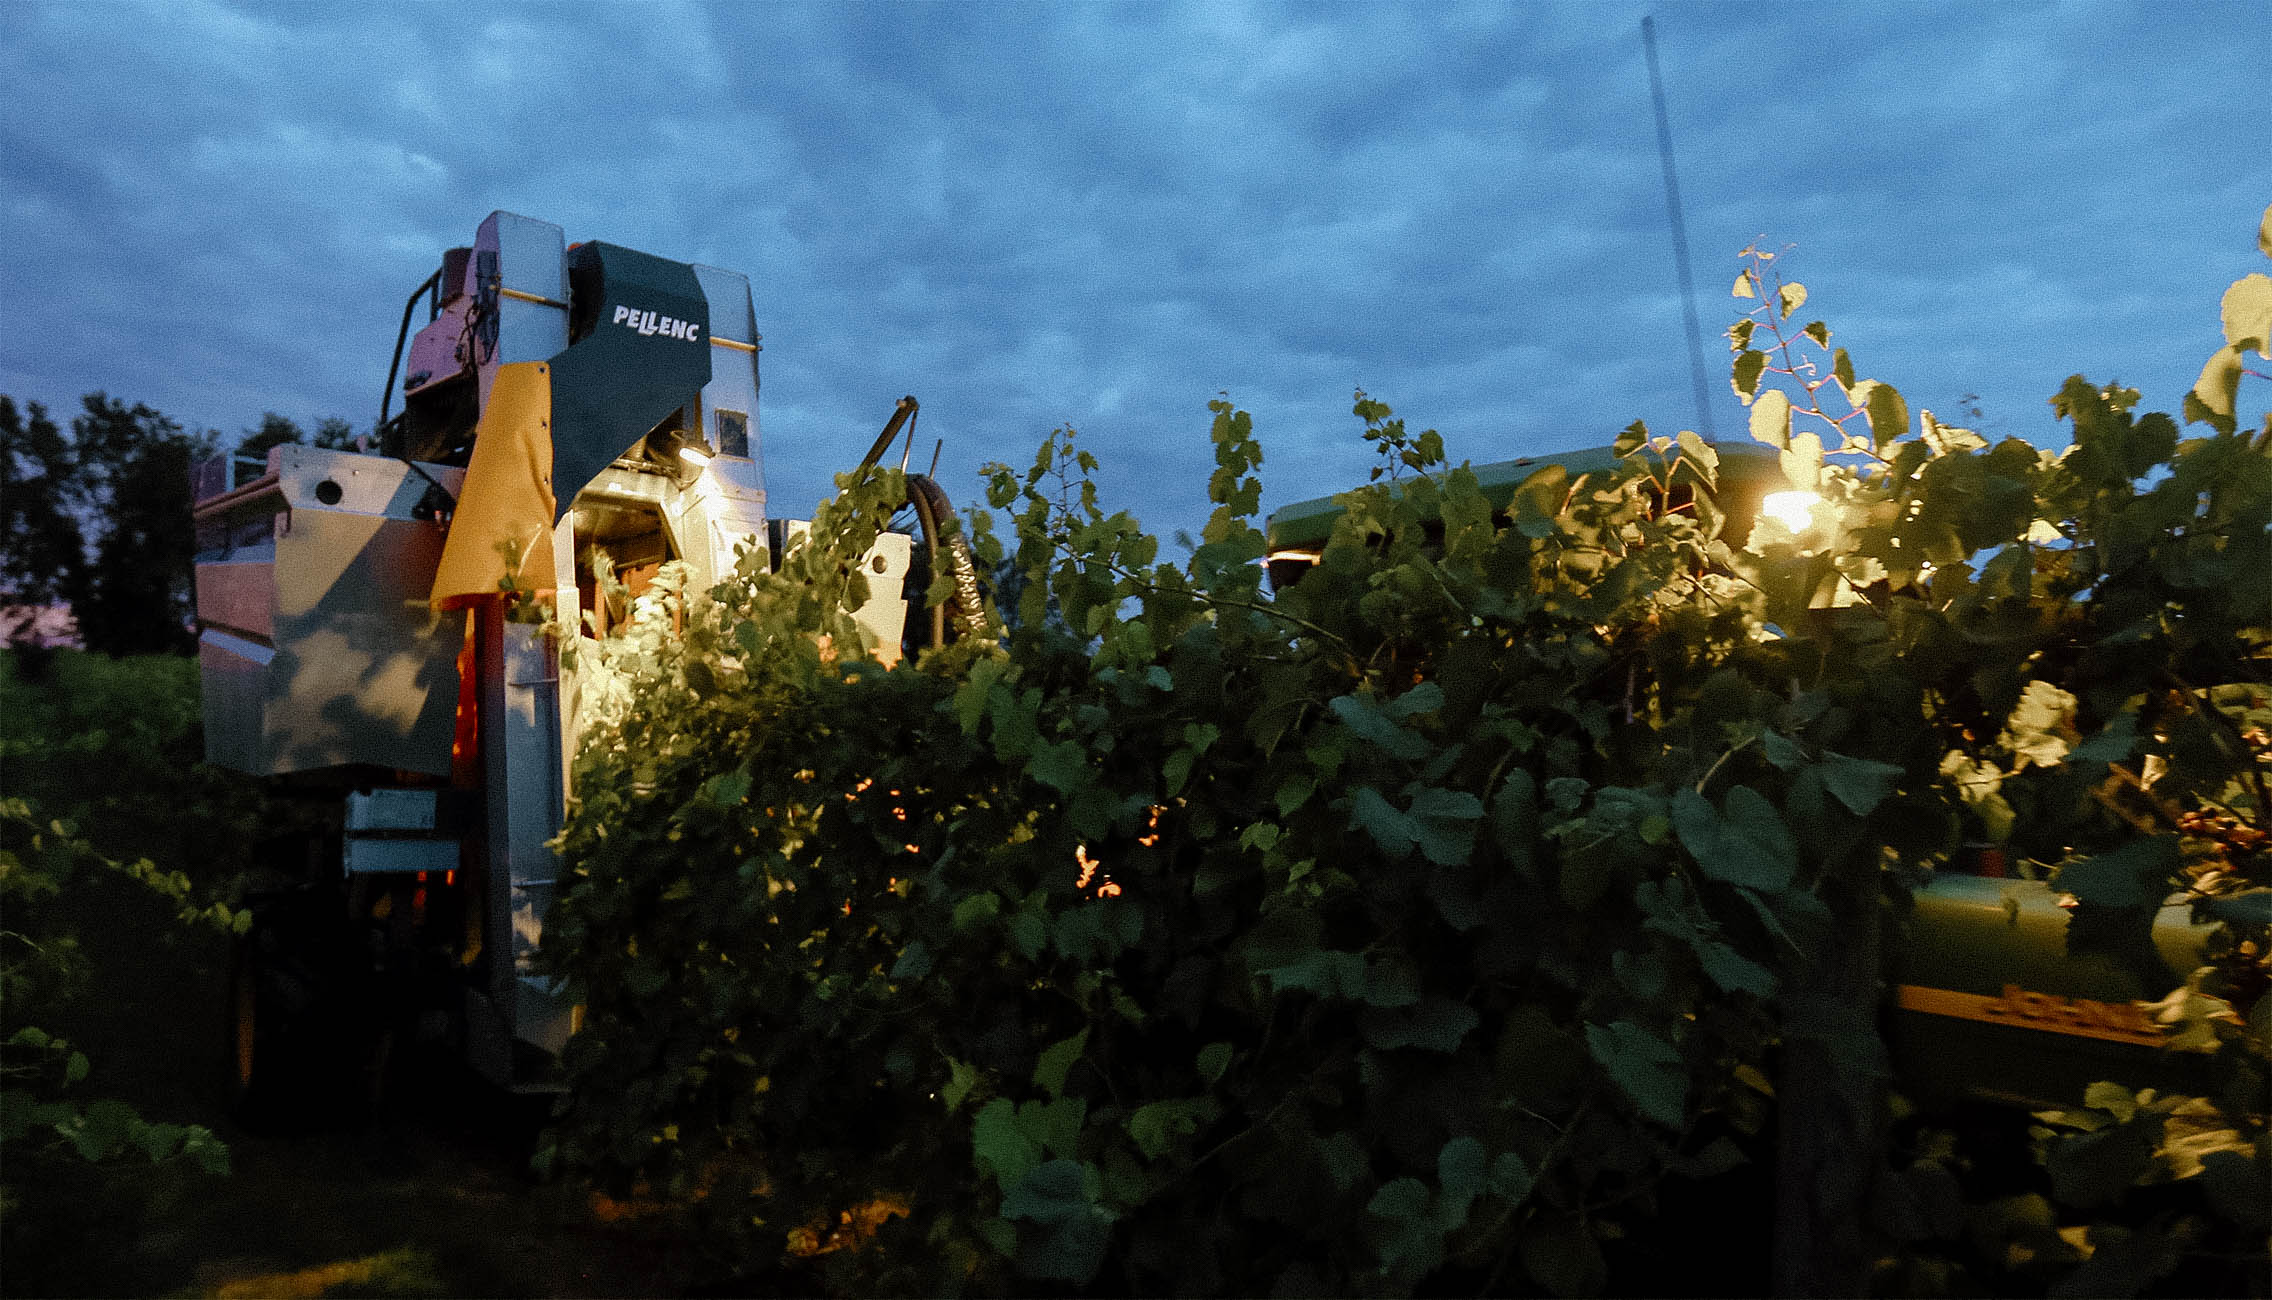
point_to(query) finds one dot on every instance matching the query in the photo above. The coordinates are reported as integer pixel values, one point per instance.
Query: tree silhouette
(134, 474)
(43, 557)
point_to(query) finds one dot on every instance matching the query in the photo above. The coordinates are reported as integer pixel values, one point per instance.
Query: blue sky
(1039, 214)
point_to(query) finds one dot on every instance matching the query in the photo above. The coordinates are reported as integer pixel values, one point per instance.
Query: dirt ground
(430, 1198)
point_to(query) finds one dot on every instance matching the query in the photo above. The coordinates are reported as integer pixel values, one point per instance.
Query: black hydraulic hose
(386, 399)
(933, 510)
(402, 336)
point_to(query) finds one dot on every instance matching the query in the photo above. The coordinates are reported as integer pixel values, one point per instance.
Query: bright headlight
(1794, 510)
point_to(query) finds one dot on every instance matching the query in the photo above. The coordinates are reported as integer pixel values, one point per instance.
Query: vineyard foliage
(1416, 923)
(106, 819)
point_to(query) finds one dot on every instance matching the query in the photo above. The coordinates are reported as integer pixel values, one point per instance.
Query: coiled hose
(967, 605)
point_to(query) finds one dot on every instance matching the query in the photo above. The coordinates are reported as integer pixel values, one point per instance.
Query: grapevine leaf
(2247, 312)
(1157, 1126)
(971, 698)
(1060, 1198)
(1771, 418)
(962, 1076)
(1029, 929)
(2238, 1188)
(2134, 875)
(1794, 296)
(1096, 932)
(1214, 1059)
(1561, 1253)
(1538, 501)
(1511, 1180)
(1377, 817)
(1390, 982)
(729, 787)
(2090, 1169)
(1062, 765)
(1433, 1024)
(1461, 1174)
(1403, 1230)
(976, 910)
(1742, 287)
(1514, 819)
(1176, 771)
(1801, 462)
(2111, 745)
(700, 679)
(2211, 401)
(1749, 847)
(1443, 822)
(1782, 751)
(2039, 726)
(201, 1148)
(1888, 414)
(1427, 697)
(2249, 908)
(159, 1141)
(1644, 1067)
(1860, 783)
(1324, 971)
(1294, 792)
(1731, 970)
(1358, 713)
(1055, 1061)
(1749, 364)
(914, 961)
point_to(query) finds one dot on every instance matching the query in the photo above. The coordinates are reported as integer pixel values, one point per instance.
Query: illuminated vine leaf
(1771, 419)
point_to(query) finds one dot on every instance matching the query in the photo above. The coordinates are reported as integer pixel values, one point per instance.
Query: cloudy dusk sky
(1102, 215)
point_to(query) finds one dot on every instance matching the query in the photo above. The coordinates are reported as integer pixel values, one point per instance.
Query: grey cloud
(1103, 215)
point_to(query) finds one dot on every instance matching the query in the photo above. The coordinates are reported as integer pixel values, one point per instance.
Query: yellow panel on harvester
(503, 522)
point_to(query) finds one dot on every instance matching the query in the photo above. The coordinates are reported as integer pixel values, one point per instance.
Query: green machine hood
(1748, 471)
(638, 350)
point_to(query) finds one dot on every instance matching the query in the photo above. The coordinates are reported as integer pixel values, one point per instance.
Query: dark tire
(301, 1042)
(258, 1088)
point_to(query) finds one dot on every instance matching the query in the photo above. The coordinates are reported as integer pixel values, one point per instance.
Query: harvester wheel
(297, 1045)
(255, 1045)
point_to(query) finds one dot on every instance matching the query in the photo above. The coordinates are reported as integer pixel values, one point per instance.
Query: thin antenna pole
(1679, 231)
